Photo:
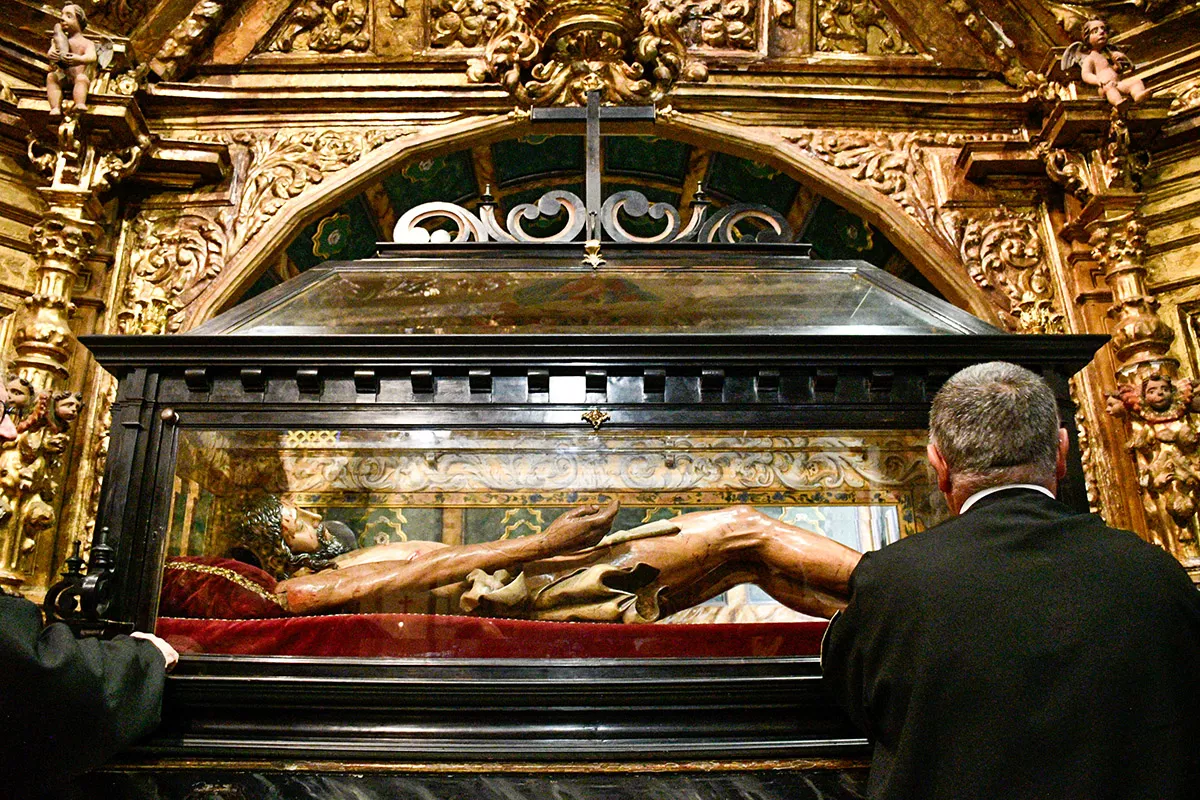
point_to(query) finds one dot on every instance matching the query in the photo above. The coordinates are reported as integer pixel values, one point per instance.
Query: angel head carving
(1102, 66)
(1156, 398)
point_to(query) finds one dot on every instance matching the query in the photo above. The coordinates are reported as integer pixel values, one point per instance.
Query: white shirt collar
(975, 498)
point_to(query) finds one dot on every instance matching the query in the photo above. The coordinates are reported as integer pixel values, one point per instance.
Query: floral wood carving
(174, 260)
(285, 163)
(1164, 418)
(462, 23)
(552, 52)
(892, 164)
(722, 24)
(858, 26)
(1005, 256)
(118, 16)
(1066, 168)
(189, 37)
(323, 26)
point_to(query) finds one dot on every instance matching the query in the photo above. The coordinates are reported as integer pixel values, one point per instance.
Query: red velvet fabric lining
(208, 587)
(421, 635)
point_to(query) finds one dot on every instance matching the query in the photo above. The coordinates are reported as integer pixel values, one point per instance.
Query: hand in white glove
(168, 652)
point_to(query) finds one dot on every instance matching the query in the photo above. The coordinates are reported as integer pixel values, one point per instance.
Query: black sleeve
(67, 704)
(842, 649)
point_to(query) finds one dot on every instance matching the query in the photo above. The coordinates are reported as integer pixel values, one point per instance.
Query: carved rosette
(1139, 336)
(1163, 413)
(1005, 256)
(552, 52)
(174, 259)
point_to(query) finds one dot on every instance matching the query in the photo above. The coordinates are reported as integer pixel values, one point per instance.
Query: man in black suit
(1020, 649)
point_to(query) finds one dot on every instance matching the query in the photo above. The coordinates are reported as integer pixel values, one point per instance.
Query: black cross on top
(592, 114)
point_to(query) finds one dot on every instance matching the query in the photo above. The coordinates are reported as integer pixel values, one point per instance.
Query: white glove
(168, 652)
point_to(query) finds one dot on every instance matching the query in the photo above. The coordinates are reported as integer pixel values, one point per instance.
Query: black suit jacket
(67, 704)
(1022, 650)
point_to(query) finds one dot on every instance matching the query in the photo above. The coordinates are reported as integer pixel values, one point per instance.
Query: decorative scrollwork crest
(111, 168)
(552, 52)
(446, 222)
(1005, 255)
(1067, 169)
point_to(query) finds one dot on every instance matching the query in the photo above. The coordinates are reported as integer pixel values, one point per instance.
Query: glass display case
(438, 400)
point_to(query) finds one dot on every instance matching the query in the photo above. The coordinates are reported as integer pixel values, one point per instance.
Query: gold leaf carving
(323, 26)
(175, 257)
(723, 25)
(1164, 418)
(1119, 247)
(892, 164)
(858, 26)
(634, 53)
(1067, 169)
(463, 23)
(285, 163)
(31, 473)
(1005, 255)
(188, 38)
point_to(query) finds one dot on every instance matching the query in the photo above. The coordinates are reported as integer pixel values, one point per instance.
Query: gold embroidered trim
(227, 574)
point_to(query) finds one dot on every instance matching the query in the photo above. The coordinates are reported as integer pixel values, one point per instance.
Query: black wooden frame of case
(233, 709)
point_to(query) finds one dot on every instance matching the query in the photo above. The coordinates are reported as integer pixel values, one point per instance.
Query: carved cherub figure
(1102, 67)
(1164, 414)
(22, 399)
(72, 58)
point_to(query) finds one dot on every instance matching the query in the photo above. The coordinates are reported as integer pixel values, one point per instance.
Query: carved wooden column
(63, 240)
(1094, 152)
(81, 155)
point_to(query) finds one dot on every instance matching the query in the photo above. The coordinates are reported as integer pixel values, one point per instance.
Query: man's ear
(1064, 444)
(940, 467)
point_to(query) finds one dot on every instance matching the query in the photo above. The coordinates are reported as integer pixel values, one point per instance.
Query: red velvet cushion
(217, 588)
(419, 635)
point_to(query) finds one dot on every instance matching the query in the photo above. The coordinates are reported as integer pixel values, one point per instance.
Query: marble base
(824, 784)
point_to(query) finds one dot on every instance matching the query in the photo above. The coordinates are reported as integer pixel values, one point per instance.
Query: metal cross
(592, 115)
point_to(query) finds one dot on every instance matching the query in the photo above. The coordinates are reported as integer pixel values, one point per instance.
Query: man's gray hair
(996, 423)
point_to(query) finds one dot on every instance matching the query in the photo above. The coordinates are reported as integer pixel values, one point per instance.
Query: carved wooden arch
(940, 263)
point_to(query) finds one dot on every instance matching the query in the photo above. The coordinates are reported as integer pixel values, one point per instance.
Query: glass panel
(642, 300)
(248, 504)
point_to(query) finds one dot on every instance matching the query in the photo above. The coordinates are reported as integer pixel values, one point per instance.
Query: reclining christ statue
(577, 570)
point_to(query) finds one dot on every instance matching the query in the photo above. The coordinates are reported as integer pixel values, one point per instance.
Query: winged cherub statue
(1101, 66)
(72, 59)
